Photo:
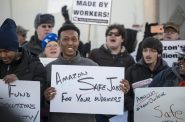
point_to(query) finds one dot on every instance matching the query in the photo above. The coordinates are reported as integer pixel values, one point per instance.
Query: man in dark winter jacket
(174, 76)
(149, 65)
(69, 36)
(15, 63)
(43, 24)
(113, 54)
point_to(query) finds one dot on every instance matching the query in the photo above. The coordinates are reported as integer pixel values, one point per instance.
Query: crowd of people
(19, 60)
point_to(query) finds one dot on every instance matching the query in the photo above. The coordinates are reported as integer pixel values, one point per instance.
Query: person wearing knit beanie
(153, 43)
(8, 36)
(50, 46)
(148, 67)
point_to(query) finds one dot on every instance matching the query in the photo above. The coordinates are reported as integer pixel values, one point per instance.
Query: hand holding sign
(49, 93)
(125, 86)
(10, 78)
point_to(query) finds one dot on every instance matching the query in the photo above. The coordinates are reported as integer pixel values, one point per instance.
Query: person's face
(170, 34)
(43, 30)
(181, 61)
(114, 39)
(150, 56)
(52, 49)
(69, 42)
(21, 38)
(7, 56)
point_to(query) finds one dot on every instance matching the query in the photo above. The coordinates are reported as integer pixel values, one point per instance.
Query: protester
(151, 30)
(43, 24)
(69, 36)
(22, 35)
(50, 46)
(173, 76)
(113, 54)
(15, 62)
(83, 48)
(171, 31)
(149, 66)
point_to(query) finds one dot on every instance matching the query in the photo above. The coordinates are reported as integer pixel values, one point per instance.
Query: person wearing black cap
(43, 24)
(15, 63)
(173, 76)
(149, 66)
(150, 32)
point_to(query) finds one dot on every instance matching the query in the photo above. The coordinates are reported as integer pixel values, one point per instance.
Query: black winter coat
(103, 57)
(26, 68)
(168, 78)
(137, 72)
(34, 46)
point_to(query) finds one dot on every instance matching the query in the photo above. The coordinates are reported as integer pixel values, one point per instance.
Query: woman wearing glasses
(43, 24)
(50, 46)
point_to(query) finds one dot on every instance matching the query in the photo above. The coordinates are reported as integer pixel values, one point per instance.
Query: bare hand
(125, 86)
(49, 93)
(10, 78)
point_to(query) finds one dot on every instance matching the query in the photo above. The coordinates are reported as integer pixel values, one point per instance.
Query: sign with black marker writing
(23, 97)
(170, 49)
(159, 104)
(87, 89)
(92, 11)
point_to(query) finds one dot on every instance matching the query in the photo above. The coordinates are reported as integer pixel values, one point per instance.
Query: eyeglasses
(115, 34)
(181, 58)
(51, 45)
(170, 31)
(44, 26)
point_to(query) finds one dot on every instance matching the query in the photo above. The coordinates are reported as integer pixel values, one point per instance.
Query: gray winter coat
(70, 117)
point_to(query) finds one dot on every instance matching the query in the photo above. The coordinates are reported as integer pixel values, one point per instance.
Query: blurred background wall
(127, 12)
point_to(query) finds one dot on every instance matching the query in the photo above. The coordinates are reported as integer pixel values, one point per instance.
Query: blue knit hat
(8, 35)
(48, 38)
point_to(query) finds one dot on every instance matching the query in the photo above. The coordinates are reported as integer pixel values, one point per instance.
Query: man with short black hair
(68, 36)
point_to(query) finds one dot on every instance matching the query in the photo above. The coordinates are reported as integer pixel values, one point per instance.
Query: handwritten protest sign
(46, 61)
(87, 89)
(23, 97)
(92, 11)
(170, 49)
(164, 104)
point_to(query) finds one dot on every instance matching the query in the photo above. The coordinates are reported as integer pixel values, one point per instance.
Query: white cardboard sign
(170, 49)
(159, 104)
(46, 61)
(87, 89)
(23, 97)
(92, 11)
